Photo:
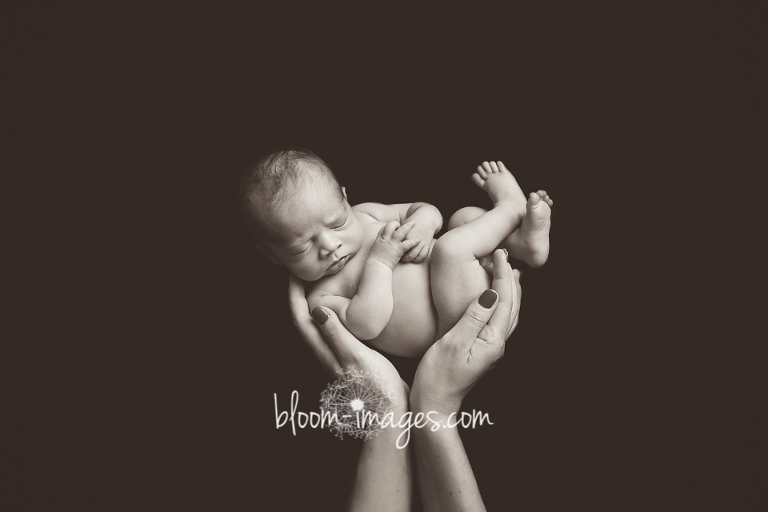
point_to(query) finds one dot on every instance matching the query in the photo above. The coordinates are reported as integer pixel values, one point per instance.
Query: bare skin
(529, 243)
(447, 372)
(361, 267)
(460, 260)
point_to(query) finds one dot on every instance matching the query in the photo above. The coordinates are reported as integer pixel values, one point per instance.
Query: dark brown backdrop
(622, 388)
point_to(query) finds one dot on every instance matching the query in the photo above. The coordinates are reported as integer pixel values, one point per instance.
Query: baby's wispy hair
(272, 180)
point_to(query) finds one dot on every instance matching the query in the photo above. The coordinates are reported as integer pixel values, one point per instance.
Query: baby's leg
(455, 271)
(529, 243)
(463, 216)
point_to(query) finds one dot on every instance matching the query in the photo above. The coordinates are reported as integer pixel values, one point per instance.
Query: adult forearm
(371, 308)
(424, 214)
(445, 476)
(383, 481)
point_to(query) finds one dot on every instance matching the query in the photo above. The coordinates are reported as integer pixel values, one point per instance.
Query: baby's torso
(411, 329)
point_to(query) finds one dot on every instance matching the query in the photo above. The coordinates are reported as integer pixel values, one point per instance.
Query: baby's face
(319, 231)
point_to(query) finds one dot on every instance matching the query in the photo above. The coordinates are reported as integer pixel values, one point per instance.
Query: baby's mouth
(339, 264)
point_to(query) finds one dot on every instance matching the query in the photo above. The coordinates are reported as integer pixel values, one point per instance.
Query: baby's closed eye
(301, 251)
(341, 223)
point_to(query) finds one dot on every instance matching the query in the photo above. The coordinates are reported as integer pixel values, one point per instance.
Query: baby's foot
(530, 243)
(500, 185)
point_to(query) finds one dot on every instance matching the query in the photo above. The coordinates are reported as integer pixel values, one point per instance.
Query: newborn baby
(377, 266)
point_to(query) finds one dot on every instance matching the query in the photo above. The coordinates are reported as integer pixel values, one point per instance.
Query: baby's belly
(411, 329)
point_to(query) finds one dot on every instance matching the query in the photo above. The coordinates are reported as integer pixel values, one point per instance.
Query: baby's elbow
(366, 331)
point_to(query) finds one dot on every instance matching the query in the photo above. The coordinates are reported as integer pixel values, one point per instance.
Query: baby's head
(299, 214)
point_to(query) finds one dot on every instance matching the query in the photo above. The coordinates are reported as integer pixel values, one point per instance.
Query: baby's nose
(330, 245)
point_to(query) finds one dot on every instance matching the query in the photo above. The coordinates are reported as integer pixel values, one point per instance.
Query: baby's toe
(494, 167)
(481, 172)
(487, 167)
(477, 180)
(543, 194)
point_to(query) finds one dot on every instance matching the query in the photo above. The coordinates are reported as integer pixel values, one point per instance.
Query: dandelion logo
(358, 400)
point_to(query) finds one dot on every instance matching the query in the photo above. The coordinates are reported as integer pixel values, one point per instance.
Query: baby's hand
(420, 252)
(390, 245)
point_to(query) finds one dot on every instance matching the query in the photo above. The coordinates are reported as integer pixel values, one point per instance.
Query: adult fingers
(517, 297)
(474, 319)
(343, 342)
(296, 299)
(307, 328)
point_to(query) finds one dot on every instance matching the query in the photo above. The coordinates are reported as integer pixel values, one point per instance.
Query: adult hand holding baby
(334, 346)
(445, 375)
(454, 363)
(384, 476)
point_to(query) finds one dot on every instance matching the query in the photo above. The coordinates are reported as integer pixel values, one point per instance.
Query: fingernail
(506, 254)
(320, 315)
(488, 298)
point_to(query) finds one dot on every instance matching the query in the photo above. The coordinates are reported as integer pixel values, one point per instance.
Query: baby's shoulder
(376, 212)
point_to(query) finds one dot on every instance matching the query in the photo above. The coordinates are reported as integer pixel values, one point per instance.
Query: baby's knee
(464, 215)
(449, 248)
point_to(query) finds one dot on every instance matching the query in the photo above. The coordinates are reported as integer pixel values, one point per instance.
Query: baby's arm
(426, 219)
(368, 312)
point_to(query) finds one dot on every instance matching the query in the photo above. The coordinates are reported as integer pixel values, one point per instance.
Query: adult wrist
(400, 403)
(421, 401)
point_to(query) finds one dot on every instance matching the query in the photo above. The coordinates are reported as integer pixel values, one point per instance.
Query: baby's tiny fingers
(410, 244)
(425, 251)
(409, 255)
(389, 229)
(419, 253)
(403, 231)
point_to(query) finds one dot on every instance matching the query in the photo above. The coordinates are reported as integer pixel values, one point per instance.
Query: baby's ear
(267, 254)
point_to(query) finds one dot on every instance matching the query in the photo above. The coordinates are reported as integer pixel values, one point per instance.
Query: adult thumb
(339, 338)
(475, 317)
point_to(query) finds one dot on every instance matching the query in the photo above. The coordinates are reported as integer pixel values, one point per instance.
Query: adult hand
(454, 363)
(335, 347)
(384, 477)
